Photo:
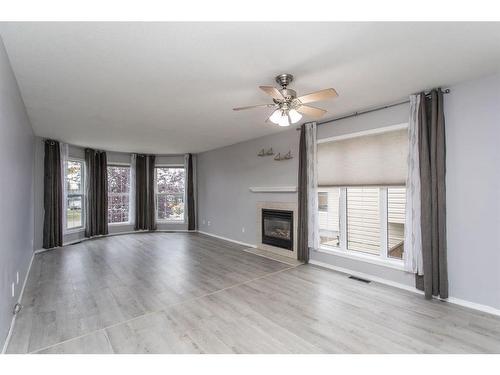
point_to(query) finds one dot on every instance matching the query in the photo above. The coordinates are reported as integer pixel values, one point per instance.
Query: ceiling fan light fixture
(276, 116)
(284, 120)
(288, 107)
(294, 116)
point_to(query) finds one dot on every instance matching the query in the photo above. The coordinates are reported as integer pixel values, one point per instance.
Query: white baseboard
(228, 239)
(453, 300)
(19, 299)
(474, 306)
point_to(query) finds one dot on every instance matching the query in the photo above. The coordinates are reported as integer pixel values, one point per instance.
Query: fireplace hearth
(277, 228)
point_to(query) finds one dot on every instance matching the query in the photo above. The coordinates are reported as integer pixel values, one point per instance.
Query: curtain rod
(362, 112)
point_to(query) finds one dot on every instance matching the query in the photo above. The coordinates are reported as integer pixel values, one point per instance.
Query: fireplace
(277, 228)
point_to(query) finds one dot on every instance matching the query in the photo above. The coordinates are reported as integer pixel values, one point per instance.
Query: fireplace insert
(277, 228)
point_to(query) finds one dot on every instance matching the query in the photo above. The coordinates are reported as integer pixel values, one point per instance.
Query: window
(361, 194)
(170, 182)
(74, 194)
(323, 201)
(363, 219)
(329, 220)
(396, 203)
(367, 220)
(118, 194)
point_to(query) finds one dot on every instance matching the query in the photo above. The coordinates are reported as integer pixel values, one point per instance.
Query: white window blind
(377, 159)
(363, 220)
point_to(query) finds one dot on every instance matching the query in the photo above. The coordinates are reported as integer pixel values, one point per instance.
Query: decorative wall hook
(287, 156)
(263, 152)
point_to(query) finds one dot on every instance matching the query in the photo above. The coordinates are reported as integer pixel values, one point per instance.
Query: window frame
(67, 195)
(129, 221)
(324, 209)
(170, 221)
(382, 258)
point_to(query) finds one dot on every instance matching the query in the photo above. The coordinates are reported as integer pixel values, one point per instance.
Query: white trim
(82, 194)
(361, 257)
(452, 300)
(170, 165)
(383, 210)
(365, 276)
(13, 321)
(473, 305)
(122, 223)
(118, 164)
(362, 133)
(274, 189)
(228, 239)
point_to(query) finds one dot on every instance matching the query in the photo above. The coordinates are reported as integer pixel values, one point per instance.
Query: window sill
(120, 224)
(170, 222)
(74, 230)
(373, 259)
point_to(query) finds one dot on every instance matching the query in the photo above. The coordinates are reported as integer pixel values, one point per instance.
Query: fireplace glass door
(277, 228)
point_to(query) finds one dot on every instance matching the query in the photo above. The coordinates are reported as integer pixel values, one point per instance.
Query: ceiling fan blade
(272, 92)
(318, 95)
(253, 106)
(311, 111)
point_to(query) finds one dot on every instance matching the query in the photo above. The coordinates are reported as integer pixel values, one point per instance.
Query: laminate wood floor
(191, 293)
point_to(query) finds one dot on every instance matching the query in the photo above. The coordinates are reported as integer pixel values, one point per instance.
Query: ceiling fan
(288, 108)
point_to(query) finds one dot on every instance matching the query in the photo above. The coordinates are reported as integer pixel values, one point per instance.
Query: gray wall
(224, 178)
(16, 192)
(472, 112)
(473, 188)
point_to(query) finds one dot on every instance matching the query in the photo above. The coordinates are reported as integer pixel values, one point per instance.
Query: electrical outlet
(13, 290)
(17, 277)
(208, 222)
(204, 221)
(242, 229)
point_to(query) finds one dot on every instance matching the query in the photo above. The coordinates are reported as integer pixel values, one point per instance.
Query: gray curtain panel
(96, 222)
(151, 193)
(190, 195)
(302, 244)
(145, 217)
(432, 151)
(53, 196)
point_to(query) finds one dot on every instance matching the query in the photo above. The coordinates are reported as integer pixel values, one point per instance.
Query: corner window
(118, 194)
(170, 185)
(75, 203)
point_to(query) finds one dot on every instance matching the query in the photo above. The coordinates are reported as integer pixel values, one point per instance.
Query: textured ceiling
(169, 87)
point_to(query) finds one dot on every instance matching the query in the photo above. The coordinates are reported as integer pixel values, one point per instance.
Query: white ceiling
(169, 87)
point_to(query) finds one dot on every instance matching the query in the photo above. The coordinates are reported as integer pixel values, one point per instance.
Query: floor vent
(360, 279)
